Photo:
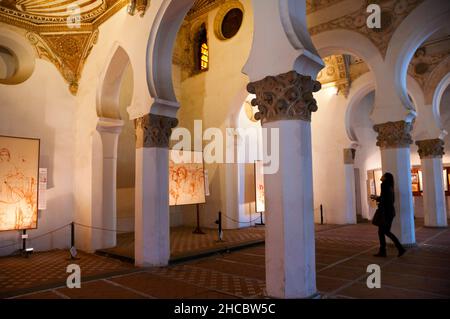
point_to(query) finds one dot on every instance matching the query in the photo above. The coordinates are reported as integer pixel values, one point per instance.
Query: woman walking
(385, 215)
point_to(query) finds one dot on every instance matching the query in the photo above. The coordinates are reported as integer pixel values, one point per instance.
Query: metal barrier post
(321, 214)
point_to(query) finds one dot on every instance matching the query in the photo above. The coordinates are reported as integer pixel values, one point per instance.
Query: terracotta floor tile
(360, 290)
(99, 289)
(326, 284)
(41, 295)
(159, 287)
(249, 271)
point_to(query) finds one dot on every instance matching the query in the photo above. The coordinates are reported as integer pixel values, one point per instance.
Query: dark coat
(386, 201)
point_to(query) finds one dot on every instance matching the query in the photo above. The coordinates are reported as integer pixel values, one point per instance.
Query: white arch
(422, 22)
(108, 92)
(437, 97)
(24, 55)
(159, 55)
(359, 90)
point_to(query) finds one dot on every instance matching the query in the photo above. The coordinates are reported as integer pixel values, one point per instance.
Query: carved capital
(288, 96)
(349, 156)
(431, 148)
(154, 130)
(394, 134)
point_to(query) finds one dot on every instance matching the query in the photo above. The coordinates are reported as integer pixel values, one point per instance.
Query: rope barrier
(240, 222)
(37, 237)
(105, 229)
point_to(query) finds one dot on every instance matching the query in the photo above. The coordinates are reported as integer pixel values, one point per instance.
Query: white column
(394, 140)
(435, 211)
(350, 192)
(109, 130)
(152, 227)
(290, 247)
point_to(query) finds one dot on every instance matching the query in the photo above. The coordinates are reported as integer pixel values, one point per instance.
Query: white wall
(42, 107)
(329, 139)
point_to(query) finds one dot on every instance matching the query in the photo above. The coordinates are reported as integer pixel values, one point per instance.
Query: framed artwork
(377, 176)
(416, 181)
(445, 177)
(186, 178)
(19, 171)
(259, 187)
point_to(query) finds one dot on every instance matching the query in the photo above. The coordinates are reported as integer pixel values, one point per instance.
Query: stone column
(152, 228)
(350, 192)
(109, 130)
(285, 103)
(430, 152)
(394, 140)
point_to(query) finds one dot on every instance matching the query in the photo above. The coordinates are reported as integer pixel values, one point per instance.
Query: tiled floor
(342, 256)
(183, 243)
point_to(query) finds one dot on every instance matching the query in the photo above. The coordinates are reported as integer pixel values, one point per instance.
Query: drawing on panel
(19, 166)
(186, 179)
(259, 185)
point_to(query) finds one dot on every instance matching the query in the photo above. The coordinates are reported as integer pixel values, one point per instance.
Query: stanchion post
(73, 250)
(321, 214)
(198, 230)
(24, 240)
(72, 234)
(219, 223)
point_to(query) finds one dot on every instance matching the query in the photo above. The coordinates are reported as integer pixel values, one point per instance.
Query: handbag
(378, 218)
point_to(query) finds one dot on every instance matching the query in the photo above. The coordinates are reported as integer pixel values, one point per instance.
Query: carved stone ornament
(154, 130)
(394, 134)
(431, 148)
(349, 156)
(288, 96)
(137, 6)
(62, 32)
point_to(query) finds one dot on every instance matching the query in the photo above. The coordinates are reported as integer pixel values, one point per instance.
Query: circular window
(232, 23)
(228, 20)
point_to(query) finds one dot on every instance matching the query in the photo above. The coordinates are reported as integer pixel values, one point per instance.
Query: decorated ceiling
(62, 31)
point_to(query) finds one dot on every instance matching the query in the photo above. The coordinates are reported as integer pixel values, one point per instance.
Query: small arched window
(202, 50)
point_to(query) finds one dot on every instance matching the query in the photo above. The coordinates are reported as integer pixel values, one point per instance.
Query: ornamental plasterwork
(429, 68)
(154, 130)
(336, 73)
(61, 32)
(137, 6)
(316, 5)
(288, 96)
(392, 14)
(393, 134)
(201, 7)
(433, 148)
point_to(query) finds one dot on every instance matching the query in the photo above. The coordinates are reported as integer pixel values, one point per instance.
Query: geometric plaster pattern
(61, 33)
(392, 14)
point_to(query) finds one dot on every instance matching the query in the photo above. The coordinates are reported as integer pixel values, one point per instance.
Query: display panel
(377, 176)
(259, 187)
(19, 169)
(186, 178)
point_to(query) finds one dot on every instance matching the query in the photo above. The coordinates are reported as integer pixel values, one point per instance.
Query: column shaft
(285, 103)
(152, 227)
(394, 139)
(435, 211)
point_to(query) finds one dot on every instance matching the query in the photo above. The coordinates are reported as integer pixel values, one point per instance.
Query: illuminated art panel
(186, 178)
(259, 185)
(19, 167)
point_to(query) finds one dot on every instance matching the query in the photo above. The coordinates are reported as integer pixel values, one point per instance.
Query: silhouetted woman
(386, 207)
